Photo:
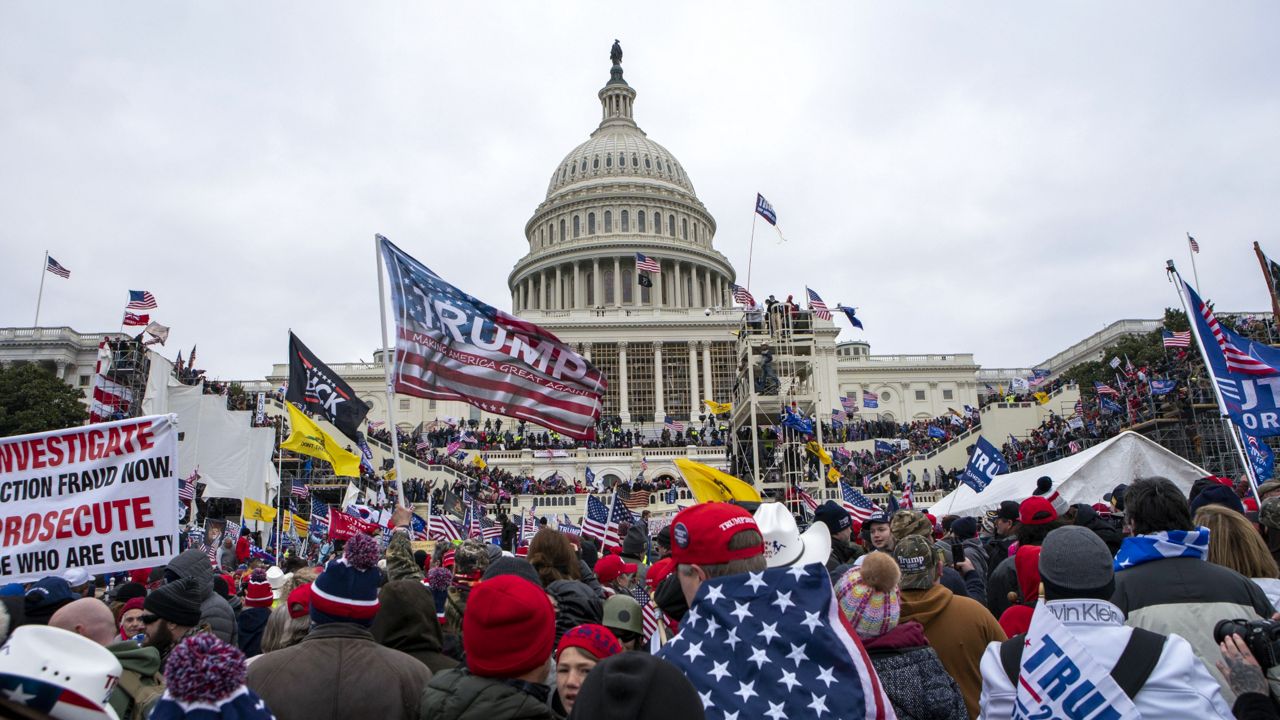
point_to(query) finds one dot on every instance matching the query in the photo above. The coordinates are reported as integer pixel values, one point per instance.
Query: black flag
(645, 281)
(318, 389)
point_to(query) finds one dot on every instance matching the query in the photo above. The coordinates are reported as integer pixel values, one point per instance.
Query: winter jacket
(1188, 596)
(214, 609)
(1003, 580)
(590, 580)
(400, 562)
(975, 553)
(919, 688)
(406, 621)
(141, 665)
(576, 604)
(458, 695)
(338, 672)
(842, 553)
(1087, 517)
(959, 630)
(250, 624)
(1178, 687)
(997, 549)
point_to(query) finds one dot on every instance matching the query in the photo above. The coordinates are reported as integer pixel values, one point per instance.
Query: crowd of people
(721, 612)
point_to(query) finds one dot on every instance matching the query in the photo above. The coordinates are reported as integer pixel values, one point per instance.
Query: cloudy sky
(996, 178)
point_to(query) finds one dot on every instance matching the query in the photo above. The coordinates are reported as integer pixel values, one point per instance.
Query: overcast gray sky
(996, 178)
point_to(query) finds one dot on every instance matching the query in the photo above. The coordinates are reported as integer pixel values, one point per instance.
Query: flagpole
(750, 249)
(44, 270)
(1213, 379)
(1194, 273)
(386, 368)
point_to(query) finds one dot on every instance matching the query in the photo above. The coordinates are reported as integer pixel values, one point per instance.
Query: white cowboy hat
(277, 579)
(57, 672)
(784, 544)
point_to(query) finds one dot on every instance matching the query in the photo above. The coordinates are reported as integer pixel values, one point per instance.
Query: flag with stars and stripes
(452, 346)
(1233, 347)
(56, 268)
(819, 308)
(856, 504)
(773, 645)
(742, 296)
(1102, 388)
(319, 518)
(490, 530)
(300, 488)
(672, 424)
(601, 522)
(1176, 339)
(141, 300)
(644, 263)
(441, 528)
(1195, 246)
(187, 487)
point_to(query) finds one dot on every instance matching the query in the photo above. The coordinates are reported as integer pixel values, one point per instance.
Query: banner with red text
(343, 526)
(103, 498)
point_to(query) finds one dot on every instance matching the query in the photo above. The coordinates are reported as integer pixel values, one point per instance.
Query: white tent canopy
(1081, 478)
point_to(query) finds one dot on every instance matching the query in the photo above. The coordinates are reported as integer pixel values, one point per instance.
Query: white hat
(784, 544)
(57, 672)
(277, 578)
(76, 577)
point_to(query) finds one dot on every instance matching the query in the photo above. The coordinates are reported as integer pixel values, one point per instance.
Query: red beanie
(509, 627)
(597, 640)
(258, 593)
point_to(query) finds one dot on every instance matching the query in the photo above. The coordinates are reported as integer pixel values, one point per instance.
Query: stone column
(707, 283)
(579, 297)
(624, 402)
(659, 402)
(617, 283)
(635, 287)
(544, 297)
(655, 292)
(677, 297)
(596, 286)
(706, 371)
(695, 402)
(559, 296)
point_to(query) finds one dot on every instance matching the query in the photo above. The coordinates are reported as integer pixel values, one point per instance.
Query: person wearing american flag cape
(761, 642)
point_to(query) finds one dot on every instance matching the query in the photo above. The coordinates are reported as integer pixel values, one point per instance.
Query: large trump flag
(451, 346)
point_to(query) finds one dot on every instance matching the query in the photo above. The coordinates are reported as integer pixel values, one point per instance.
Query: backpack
(1138, 659)
(142, 696)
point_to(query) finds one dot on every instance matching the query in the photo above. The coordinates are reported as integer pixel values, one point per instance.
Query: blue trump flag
(984, 466)
(937, 432)
(1109, 406)
(794, 421)
(853, 319)
(1245, 371)
(884, 446)
(765, 210)
(1163, 387)
(1261, 458)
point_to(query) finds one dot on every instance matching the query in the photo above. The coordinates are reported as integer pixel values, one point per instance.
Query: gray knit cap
(1075, 558)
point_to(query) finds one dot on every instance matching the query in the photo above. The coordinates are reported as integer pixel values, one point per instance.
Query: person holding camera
(1240, 667)
(1163, 580)
(1160, 674)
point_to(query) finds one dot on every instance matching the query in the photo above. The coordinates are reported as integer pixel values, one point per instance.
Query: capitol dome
(616, 195)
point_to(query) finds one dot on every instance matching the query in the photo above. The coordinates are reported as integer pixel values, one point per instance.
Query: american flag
(559, 389)
(870, 399)
(647, 264)
(452, 447)
(1195, 246)
(212, 552)
(908, 497)
(1102, 388)
(187, 487)
(672, 424)
(489, 529)
(300, 488)
(319, 517)
(856, 504)
(636, 500)
(529, 524)
(1238, 361)
(1176, 339)
(132, 319)
(141, 300)
(806, 498)
(1080, 407)
(601, 522)
(742, 296)
(424, 445)
(375, 424)
(819, 308)
(56, 268)
(649, 612)
(441, 528)
(798, 659)
(849, 404)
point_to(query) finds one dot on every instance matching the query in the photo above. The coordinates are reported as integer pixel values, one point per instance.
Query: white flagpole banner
(1059, 678)
(103, 498)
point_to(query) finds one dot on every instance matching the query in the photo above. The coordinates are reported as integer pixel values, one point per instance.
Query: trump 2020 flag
(451, 346)
(984, 466)
(774, 645)
(1059, 678)
(1261, 457)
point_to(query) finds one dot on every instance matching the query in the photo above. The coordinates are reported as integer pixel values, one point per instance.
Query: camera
(1262, 637)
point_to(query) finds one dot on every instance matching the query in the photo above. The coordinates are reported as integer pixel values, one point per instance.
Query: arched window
(591, 223)
(577, 227)
(695, 232)
(622, 160)
(608, 161)
(684, 229)
(584, 164)
(647, 164)
(657, 223)
(640, 221)
(561, 230)
(606, 277)
(542, 238)
(635, 160)
(595, 163)
(671, 225)
(626, 221)
(608, 221)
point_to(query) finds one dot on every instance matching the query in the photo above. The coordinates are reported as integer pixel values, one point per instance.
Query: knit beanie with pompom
(204, 678)
(258, 593)
(347, 590)
(868, 595)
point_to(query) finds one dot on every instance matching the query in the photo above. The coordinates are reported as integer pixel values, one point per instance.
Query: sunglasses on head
(148, 619)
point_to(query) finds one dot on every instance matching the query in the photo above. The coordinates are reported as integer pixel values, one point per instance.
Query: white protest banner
(1059, 677)
(103, 498)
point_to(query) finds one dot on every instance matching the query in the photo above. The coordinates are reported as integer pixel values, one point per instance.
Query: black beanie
(512, 566)
(178, 602)
(636, 686)
(129, 590)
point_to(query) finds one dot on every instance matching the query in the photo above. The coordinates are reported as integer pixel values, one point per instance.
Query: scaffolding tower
(776, 370)
(129, 369)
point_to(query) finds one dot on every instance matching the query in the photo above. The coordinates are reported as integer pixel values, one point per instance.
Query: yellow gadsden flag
(254, 510)
(710, 485)
(818, 451)
(1041, 397)
(718, 408)
(307, 438)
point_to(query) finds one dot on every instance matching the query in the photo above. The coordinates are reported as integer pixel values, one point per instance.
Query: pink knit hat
(868, 595)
